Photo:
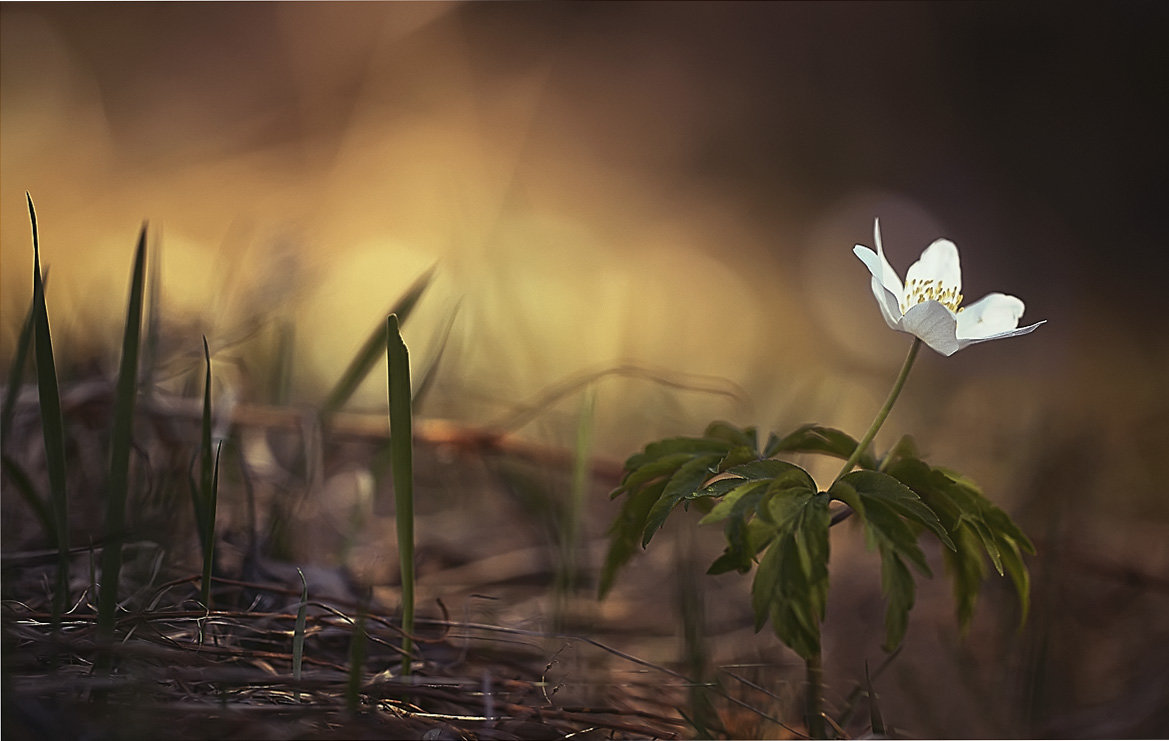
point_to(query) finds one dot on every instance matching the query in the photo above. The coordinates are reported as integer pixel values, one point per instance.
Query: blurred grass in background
(671, 187)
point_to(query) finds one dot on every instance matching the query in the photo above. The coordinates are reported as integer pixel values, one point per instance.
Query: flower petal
(966, 341)
(935, 325)
(888, 277)
(886, 298)
(991, 314)
(992, 317)
(938, 263)
(886, 284)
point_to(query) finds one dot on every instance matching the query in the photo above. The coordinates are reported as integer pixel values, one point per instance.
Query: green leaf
(745, 538)
(1005, 528)
(791, 583)
(898, 496)
(898, 589)
(727, 432)
(887, 507)
(737, 456)
(743, 496)
(971, 508)
(778, 474)
(688, 479)
(718, 487)
(967, 568)
(772, 447)
(797, 619)
(691, 446)
(885, 528)
(931, 485)
(728, 561)
(844, 492)
(665, 473)
(1017, 570)
(906, 447)
(625, 533)
(665, 466)
(746, 535)
(768, 578)
(814, 438)
(771, 469)
(989, 542)
(702, 505)
(955, 502)
(977, 527)
(785, 504)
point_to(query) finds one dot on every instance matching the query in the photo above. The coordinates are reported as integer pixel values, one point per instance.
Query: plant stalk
(401, 461)
(121, 441)
(208, 480)
(52, 423)
(879, 420)
(815, 670)
(815, 698)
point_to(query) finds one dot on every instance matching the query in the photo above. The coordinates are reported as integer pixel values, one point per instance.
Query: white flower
(929, 305)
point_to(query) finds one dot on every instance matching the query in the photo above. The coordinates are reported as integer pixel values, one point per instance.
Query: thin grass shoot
(402, 465)
(121, 441)
(52, 423)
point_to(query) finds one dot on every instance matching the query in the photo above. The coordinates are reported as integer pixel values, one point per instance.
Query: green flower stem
(815, 700)
(815, 671)
(879, 420)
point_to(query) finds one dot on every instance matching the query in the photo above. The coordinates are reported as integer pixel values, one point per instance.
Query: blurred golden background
(672, 186)
(675, 187)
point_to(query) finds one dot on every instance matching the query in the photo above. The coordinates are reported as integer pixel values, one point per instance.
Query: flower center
(917, 291)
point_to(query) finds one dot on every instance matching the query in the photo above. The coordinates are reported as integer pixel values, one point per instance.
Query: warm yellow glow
(310, 179)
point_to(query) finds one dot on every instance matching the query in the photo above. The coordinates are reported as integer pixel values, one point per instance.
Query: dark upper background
(1036, 131)
(674, 185)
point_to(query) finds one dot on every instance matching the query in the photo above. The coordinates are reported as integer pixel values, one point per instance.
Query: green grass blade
(52, 422)
(196, 503)
(356, 658)
(207, 482)
(209, 543)
(120, 444)
(298, 632)
(280, 381)
(152, 342)
(567, 578)
(876, 721)
(426, 380)
(402, 464)
(373, 348)
(40, 507)
(16, 374)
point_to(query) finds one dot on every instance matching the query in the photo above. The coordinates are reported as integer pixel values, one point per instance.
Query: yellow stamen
(917, 291)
